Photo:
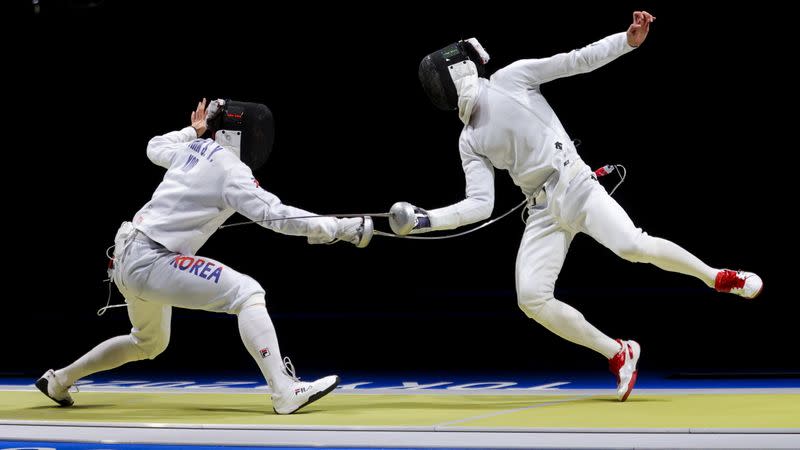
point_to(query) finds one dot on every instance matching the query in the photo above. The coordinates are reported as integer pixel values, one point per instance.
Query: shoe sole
(313, 398)
(42, 383)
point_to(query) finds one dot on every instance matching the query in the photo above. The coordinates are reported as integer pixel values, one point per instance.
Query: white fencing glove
(356, 230)
(328, 223)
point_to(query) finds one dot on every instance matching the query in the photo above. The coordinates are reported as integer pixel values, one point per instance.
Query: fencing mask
(439, 71)
(246, 128)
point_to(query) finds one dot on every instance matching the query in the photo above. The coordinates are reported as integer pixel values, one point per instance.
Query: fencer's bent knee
(531, 301)
(254, 300)
(152, 346)
(633, 248)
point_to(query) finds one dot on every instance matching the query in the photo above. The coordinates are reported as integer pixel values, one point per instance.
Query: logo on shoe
(264, 352)
(300, 390)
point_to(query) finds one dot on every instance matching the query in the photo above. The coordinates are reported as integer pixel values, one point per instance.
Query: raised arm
(162, 149)
(533, 72)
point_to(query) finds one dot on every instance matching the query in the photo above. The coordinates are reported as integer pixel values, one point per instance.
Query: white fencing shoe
(623, 366)
(301, 393)
(50, 387)
(741, 283)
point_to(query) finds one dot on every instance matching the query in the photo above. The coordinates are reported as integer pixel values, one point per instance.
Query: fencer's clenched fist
(357, 230)
(405, 218)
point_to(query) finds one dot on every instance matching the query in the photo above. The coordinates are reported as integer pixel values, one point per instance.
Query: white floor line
(177, 427)
(385, 439)
(444, 425)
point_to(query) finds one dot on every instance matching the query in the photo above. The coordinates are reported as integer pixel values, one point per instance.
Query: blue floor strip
(358, 382)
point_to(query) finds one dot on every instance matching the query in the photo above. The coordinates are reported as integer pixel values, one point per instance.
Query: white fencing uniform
(511, 126)
(156, 265)
(204, 185)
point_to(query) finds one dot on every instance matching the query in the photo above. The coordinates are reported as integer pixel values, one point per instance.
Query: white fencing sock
(107, 355)
(569, 323)
(670, 256)
(259, 337)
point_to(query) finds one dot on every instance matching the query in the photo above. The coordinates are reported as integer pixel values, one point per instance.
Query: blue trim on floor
(363, 381)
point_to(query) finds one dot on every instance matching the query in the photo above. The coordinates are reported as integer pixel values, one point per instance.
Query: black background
(702, 116)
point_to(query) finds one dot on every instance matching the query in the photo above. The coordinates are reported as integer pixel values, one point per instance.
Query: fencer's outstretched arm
(162, 149)
(479, 201)
(241, 192)
(533, 72)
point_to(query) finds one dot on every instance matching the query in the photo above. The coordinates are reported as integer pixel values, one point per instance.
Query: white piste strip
(376, 438)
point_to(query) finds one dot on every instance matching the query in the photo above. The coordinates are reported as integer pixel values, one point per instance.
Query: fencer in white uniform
(509, 125)
(156, 265)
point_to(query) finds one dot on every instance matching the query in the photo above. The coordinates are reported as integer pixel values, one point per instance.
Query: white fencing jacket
(204, 185)
(512, 127)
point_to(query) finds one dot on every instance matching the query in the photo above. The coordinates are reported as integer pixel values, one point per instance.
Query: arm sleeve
(533, 72)
(479, 201)
(242, 193)
(162, 149)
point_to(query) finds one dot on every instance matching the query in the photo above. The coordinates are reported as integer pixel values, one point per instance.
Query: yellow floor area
(523, 411)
